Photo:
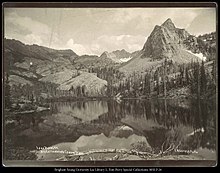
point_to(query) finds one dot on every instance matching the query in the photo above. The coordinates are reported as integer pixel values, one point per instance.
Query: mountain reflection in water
(85, 125)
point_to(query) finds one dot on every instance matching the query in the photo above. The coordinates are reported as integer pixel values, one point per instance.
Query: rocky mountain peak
(104, 54)
(123, 51)
(169, 24)
(118, 56)
(164, 41)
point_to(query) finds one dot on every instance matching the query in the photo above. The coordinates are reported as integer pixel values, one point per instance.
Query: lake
(176, 127)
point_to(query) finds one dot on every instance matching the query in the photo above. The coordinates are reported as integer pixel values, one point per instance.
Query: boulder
(122, 132)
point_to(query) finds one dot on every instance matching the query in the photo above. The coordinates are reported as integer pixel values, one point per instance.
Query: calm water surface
(81, 126)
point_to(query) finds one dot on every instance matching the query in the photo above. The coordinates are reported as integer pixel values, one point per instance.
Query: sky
(95, 30)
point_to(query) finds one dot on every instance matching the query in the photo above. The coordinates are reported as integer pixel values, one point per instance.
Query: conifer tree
(203, 79)
(7, 92)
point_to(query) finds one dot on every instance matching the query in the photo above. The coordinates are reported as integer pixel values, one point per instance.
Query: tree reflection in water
(186, 124)
(174, 121)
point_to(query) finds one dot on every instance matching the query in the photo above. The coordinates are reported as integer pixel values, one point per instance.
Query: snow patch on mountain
(125, 59)
(199, 55)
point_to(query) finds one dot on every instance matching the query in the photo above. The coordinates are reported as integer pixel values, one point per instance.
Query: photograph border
(147, 163)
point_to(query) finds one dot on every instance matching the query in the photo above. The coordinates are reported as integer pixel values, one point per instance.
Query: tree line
(201, 80)
(198, 77)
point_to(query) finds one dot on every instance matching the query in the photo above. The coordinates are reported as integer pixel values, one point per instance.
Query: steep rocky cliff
(165, 42)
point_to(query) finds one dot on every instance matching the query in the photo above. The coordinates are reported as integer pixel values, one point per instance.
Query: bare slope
(32, 63)
(58, 77)
(94, 86)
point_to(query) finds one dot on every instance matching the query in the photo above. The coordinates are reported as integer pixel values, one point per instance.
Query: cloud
(26, 23)
(95, 47)
(33, 39)
(142, 20)
(130, 43)
(205, 22)
(28, 30)
(103, 43)
(77, 48)
(93, 31)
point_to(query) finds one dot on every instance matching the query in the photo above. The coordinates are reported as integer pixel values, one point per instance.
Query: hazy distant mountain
(44, 60)
(91, 61)
(28, 64)
(118, 56)
(165, 41)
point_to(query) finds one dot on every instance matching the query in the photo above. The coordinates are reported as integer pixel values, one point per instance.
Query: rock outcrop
(164, 41)
(118, 56)
(122, 132)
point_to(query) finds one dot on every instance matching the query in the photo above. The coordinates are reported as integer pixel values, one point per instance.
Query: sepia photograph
(109, 84)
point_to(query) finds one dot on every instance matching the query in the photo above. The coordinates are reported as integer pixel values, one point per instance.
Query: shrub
(28, 107)
(141, 146)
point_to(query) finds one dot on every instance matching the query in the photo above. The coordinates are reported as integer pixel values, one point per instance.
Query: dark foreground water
(145, 125)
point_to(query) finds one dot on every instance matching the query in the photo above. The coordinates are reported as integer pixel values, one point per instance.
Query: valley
(117, 84)
(115, 72)
(171, 59)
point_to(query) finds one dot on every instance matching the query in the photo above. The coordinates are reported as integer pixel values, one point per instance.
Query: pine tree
(79, 91)
(214, 72)
(147, 85)
(165, 77)
(32, 98)
(158, 82)
(203, 79)
(194, 83)
(7, 92)
(187, 75)
(83, 90)
(109, 86)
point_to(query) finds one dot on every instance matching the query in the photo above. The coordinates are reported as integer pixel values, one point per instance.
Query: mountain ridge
(118, 56)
